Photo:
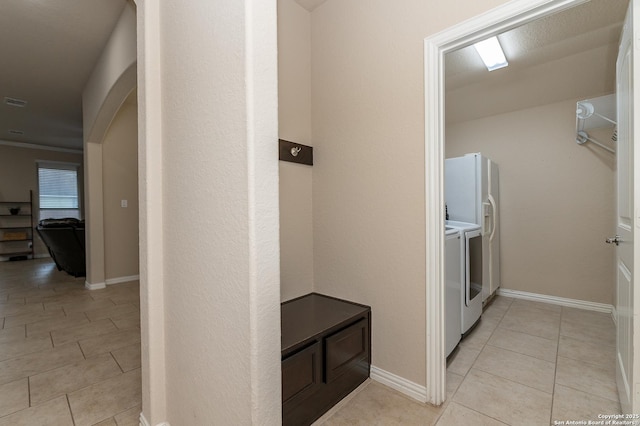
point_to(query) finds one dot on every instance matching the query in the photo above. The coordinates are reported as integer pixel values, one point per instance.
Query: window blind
(58, 192)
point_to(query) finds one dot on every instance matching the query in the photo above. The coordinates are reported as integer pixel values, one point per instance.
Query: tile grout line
(555, 364)
(70, 410)
(117, 363)
(589, 363)
(528, 334)
(555, 372)
(520, 353)
(464, 377)
(589, 393)
(81, 351)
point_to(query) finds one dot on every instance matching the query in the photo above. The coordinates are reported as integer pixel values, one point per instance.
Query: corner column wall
(94, 216)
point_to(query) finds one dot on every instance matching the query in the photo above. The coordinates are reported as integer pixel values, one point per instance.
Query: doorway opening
(495, 22)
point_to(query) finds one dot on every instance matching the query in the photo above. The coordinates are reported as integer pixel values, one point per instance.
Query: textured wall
(112, 79)
(368, 180)
(219, 200)
(120, 182)
(294, 124)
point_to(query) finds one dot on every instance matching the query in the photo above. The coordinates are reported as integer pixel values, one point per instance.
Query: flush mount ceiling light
(491, 53)
(15, 102)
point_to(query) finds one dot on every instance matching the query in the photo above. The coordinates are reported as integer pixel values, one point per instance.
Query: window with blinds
(58, 191)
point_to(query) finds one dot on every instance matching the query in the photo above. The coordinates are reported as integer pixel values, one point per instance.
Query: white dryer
(453, 288)
(471, 272)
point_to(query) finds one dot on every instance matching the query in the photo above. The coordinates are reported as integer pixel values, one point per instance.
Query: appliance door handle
(494, 217)
(467, 266)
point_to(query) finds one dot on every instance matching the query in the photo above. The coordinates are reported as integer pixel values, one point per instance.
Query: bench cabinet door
(301, 373)
(347, 349)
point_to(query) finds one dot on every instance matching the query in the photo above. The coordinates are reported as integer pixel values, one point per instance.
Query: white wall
(294, 119)
(557, 200)
(112, 79)
(368, 177)
(209, 212)
(120, 182)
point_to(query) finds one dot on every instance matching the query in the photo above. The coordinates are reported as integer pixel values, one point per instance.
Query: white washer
(471, 272)
(453, 288)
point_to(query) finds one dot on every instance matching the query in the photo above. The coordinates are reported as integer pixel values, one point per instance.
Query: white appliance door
(453, 293)
(626, 91)
(460, 189)
(485, 219)
(483, 215)
(474, 272)
(493, 238)
(473, 276)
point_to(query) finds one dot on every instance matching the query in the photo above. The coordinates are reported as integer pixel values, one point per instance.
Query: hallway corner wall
(294, 124)
(120, 182)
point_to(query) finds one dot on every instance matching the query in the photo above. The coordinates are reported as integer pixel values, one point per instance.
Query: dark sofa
(65, 240)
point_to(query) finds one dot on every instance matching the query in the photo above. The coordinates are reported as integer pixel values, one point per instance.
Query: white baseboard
(37, 256)
(402, 385)
(144, 422)
(110, 281)
(96, 286)
(555, 300)
(119, 280)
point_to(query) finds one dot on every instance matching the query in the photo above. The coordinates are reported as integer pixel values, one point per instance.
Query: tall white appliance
(472, 195)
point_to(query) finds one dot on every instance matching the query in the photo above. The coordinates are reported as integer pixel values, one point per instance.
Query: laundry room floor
(525, 363)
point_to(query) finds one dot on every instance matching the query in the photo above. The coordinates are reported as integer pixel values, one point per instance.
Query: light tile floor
(68, 356)
(526, 363)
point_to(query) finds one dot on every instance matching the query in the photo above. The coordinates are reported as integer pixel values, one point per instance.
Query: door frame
(493, 22)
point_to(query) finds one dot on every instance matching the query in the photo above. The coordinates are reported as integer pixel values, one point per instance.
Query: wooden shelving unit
(16, 229)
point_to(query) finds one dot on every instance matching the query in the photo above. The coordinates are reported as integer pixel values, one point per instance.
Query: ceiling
(592, 27)
(49, 49)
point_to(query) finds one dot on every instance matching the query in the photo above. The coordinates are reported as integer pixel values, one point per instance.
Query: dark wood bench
(326, 354)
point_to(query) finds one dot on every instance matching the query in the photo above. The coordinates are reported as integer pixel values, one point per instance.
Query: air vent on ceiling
(15, 102)
(16, 132)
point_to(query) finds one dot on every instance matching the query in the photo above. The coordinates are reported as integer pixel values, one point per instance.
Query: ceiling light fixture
(15, 102)
(491, 53)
